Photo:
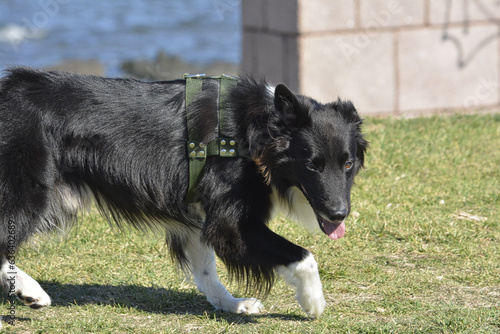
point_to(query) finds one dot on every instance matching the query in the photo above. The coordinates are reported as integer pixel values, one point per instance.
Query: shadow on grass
(148, 299)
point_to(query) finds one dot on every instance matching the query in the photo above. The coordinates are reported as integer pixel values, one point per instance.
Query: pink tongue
(333, 230)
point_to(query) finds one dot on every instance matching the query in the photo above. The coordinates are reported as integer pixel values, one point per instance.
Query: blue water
(45, 32)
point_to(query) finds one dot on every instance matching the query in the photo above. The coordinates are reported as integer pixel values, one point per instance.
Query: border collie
(68, 140)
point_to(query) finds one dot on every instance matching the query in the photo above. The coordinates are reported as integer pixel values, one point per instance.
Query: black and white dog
(67, 140)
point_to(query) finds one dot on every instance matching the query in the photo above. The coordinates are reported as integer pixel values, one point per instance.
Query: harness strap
(226, 84)
(197, 150)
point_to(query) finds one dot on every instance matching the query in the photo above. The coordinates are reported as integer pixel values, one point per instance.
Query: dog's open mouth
(333, 229)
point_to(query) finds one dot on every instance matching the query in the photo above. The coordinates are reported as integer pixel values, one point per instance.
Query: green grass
(414, 259)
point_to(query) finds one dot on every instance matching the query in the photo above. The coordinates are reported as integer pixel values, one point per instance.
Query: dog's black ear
(361, 144)
(293, 113)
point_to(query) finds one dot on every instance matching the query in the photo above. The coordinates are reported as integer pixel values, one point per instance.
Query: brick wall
(389, 57)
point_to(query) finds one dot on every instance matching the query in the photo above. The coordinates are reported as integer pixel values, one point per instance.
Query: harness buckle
(227, 148)
(197, 150)
(187, 75)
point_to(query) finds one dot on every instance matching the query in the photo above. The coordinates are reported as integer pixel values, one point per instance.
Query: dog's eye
(348, 165)
(312, 166)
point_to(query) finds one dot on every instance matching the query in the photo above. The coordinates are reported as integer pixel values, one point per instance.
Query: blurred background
(407, 57)
(151, 39)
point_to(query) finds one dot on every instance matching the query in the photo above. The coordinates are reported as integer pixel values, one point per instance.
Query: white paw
(239, 305)
(249, 305)
(34, 301)
(313, 304)
(305, 277)
(30, 292)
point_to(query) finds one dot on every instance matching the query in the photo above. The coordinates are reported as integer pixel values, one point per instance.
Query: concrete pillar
(388, 57)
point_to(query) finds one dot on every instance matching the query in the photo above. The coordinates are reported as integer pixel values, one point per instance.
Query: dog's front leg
(305, 277)
(203, 267)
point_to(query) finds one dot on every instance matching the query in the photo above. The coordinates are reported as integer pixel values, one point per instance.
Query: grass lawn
(421, 253)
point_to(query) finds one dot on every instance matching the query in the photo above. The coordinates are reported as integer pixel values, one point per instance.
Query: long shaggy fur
(68, 139)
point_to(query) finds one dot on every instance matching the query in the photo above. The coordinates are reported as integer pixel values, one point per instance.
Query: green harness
(197, 150)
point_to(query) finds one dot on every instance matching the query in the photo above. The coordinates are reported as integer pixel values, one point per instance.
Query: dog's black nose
(337, 214)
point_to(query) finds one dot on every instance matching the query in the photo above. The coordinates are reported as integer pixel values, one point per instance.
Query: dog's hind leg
(202, 265)
(20, 284)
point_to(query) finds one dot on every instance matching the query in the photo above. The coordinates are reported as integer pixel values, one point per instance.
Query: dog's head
(317, 149)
